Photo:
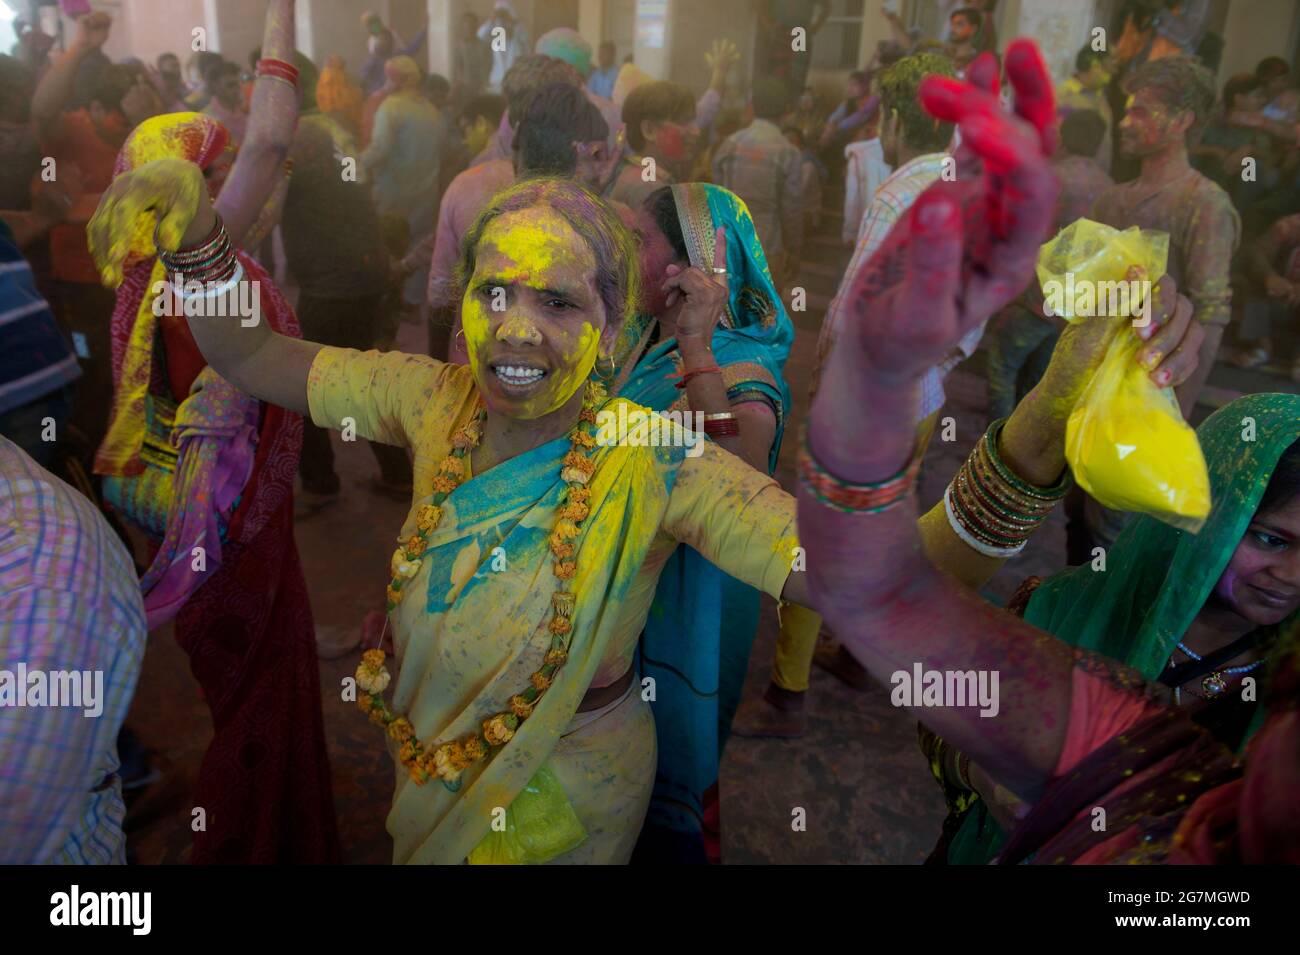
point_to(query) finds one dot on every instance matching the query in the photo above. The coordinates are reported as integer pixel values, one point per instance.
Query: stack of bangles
(990, 508)
(278, 70)
(210, 268)
(870, 498)
(721, 424)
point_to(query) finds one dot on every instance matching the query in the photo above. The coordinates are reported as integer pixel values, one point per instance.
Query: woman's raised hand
(1170, 356)
(705, 294)
(967, 246)
(173, 189)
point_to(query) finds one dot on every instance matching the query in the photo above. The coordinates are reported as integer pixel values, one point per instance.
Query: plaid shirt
(69, 600)
(894, 197)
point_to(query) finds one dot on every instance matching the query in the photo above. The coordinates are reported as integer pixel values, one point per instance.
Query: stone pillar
(591, 22)
(235, 27)
(1060, 27)
(444, 26)
(328, 27)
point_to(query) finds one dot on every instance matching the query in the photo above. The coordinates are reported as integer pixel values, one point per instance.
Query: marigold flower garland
(447, 760)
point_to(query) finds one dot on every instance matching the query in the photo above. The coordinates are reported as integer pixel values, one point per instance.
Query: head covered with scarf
(753, 337)
(1158, 578)
(203, 141)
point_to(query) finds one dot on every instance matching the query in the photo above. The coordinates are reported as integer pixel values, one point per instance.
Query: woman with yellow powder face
(526, 567)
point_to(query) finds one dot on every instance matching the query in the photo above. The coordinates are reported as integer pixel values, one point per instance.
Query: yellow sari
(474, 628)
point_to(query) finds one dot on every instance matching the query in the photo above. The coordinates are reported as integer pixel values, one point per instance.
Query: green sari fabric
(1157, 578)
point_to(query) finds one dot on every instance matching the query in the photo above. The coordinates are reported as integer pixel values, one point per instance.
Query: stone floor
(857, 774)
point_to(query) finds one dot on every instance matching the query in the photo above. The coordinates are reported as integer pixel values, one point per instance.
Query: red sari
(264, 783)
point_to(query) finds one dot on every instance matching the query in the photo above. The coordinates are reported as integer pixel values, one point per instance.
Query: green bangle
(1046, 494)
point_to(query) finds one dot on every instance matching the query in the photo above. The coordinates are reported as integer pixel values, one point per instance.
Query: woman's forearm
(260, 164)
(706, 392)
(870, 578)
(242, 347)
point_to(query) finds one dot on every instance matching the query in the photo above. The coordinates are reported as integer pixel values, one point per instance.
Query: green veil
(1157, 578)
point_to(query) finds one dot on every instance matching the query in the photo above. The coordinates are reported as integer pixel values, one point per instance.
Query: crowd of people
(204, 269)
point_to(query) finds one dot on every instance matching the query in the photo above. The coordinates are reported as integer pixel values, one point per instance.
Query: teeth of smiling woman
(518, 375)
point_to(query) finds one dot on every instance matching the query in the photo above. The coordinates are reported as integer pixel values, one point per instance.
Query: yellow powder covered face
(532, 314)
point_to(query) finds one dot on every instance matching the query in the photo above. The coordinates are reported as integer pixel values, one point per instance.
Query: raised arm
(248, 354)
(259, 167)
(54, 91)
(963, 250)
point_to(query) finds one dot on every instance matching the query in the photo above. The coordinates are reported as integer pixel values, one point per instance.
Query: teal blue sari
(697, 639)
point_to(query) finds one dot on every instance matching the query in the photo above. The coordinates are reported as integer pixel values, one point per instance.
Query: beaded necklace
(1216, 681)
(447, 760)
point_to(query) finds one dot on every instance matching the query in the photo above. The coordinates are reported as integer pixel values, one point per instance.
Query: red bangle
(686, 376)
(715, 429)
(279, 69)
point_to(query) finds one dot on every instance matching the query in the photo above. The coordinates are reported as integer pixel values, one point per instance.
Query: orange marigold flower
(584, 440)
(566, 529)
(541, 681)
(407, 753)
(588, 415)
(394, 596)
(401, 729)
(576, 459)
(557, 657)
(498, 730)
(579, 495)
(416, 546)
(559, 626)
(427, 517)
(365, 703)
(561, 548)
(377, 716)
(575, 512)
(419, 775)
(443, 484)
(521, 707)
(373, 659)
(565, 569)
(475, 748)
(452, 466)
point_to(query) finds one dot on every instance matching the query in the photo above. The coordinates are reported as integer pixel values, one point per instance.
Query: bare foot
(837, 661)
(777, 714)
(334, 642)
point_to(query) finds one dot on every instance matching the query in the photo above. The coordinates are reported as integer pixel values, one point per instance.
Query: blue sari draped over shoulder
(697, 639)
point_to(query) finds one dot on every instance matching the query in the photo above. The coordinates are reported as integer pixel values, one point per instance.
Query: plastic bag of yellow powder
(1126, 440)
(538, 826)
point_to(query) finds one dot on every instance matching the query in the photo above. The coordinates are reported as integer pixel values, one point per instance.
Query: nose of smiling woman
(517, 328)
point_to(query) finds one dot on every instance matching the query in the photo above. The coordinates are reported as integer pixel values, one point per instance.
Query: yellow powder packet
(1126, 440)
